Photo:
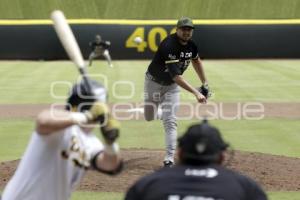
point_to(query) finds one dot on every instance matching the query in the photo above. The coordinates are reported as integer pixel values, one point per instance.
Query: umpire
(199, 174)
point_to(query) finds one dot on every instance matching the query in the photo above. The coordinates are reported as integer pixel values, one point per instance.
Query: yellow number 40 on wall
(137, 38)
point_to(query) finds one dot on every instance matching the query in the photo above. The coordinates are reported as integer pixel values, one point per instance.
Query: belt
(152, 78)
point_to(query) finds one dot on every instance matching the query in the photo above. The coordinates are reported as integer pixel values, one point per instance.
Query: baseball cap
(185, 22)
(202, 142)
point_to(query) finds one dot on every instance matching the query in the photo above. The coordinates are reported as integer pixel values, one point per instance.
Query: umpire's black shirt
(172, 58)
(212, 182)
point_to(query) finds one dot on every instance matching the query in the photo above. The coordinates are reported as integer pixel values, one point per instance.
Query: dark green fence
(214, 40)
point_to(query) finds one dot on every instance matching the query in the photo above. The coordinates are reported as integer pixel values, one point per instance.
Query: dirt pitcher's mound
(273, 172)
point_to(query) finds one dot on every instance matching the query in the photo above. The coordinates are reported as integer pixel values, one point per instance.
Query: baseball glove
(205, 91)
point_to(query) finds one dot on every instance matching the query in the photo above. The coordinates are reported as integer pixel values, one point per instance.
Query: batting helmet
(201, 143)
(80, 99)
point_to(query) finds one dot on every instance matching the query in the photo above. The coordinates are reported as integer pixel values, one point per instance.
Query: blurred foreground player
(62, 148)
(199, 174)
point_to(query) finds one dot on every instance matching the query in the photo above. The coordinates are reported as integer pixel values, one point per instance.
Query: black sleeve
(166, 51)
(252, 190)
(171, 62)
(104, 45)
(174, 69)
(139, 190)
(132, 194)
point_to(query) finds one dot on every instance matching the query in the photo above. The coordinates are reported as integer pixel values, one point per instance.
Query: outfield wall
(36, 39)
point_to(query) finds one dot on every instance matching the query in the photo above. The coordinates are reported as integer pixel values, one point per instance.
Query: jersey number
(77, 154)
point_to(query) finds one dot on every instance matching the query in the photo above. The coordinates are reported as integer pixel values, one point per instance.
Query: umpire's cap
(80, 99)
(185, 22)
(202, 142)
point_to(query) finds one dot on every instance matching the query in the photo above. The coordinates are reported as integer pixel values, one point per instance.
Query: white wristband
(79, 118)
(112, 149)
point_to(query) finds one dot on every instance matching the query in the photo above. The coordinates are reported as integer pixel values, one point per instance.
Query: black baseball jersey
(212, 182)
(101, 45)
(172, 58)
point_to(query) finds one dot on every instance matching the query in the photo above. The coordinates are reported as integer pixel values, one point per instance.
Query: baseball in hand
(138, 40)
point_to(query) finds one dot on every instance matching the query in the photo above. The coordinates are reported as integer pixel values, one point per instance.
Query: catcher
(100, 48)
(164, 78)
(62, 148)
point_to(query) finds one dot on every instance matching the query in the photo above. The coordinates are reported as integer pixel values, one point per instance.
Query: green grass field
(231, 81)
(152, 9)
(272, 136)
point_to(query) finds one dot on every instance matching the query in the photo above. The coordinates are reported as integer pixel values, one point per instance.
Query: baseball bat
(70, 44)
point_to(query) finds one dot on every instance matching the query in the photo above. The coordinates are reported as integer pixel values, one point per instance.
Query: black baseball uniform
(100, 49)
(211, 182)
(172, 58)
(101, 45)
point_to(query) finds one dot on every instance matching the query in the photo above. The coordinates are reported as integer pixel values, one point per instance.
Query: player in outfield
(100, 48)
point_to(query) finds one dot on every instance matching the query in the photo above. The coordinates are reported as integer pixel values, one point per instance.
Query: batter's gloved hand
(110, 130)
(205, 91)
(97, 112)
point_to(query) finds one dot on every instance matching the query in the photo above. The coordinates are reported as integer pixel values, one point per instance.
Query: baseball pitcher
(164, 77)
